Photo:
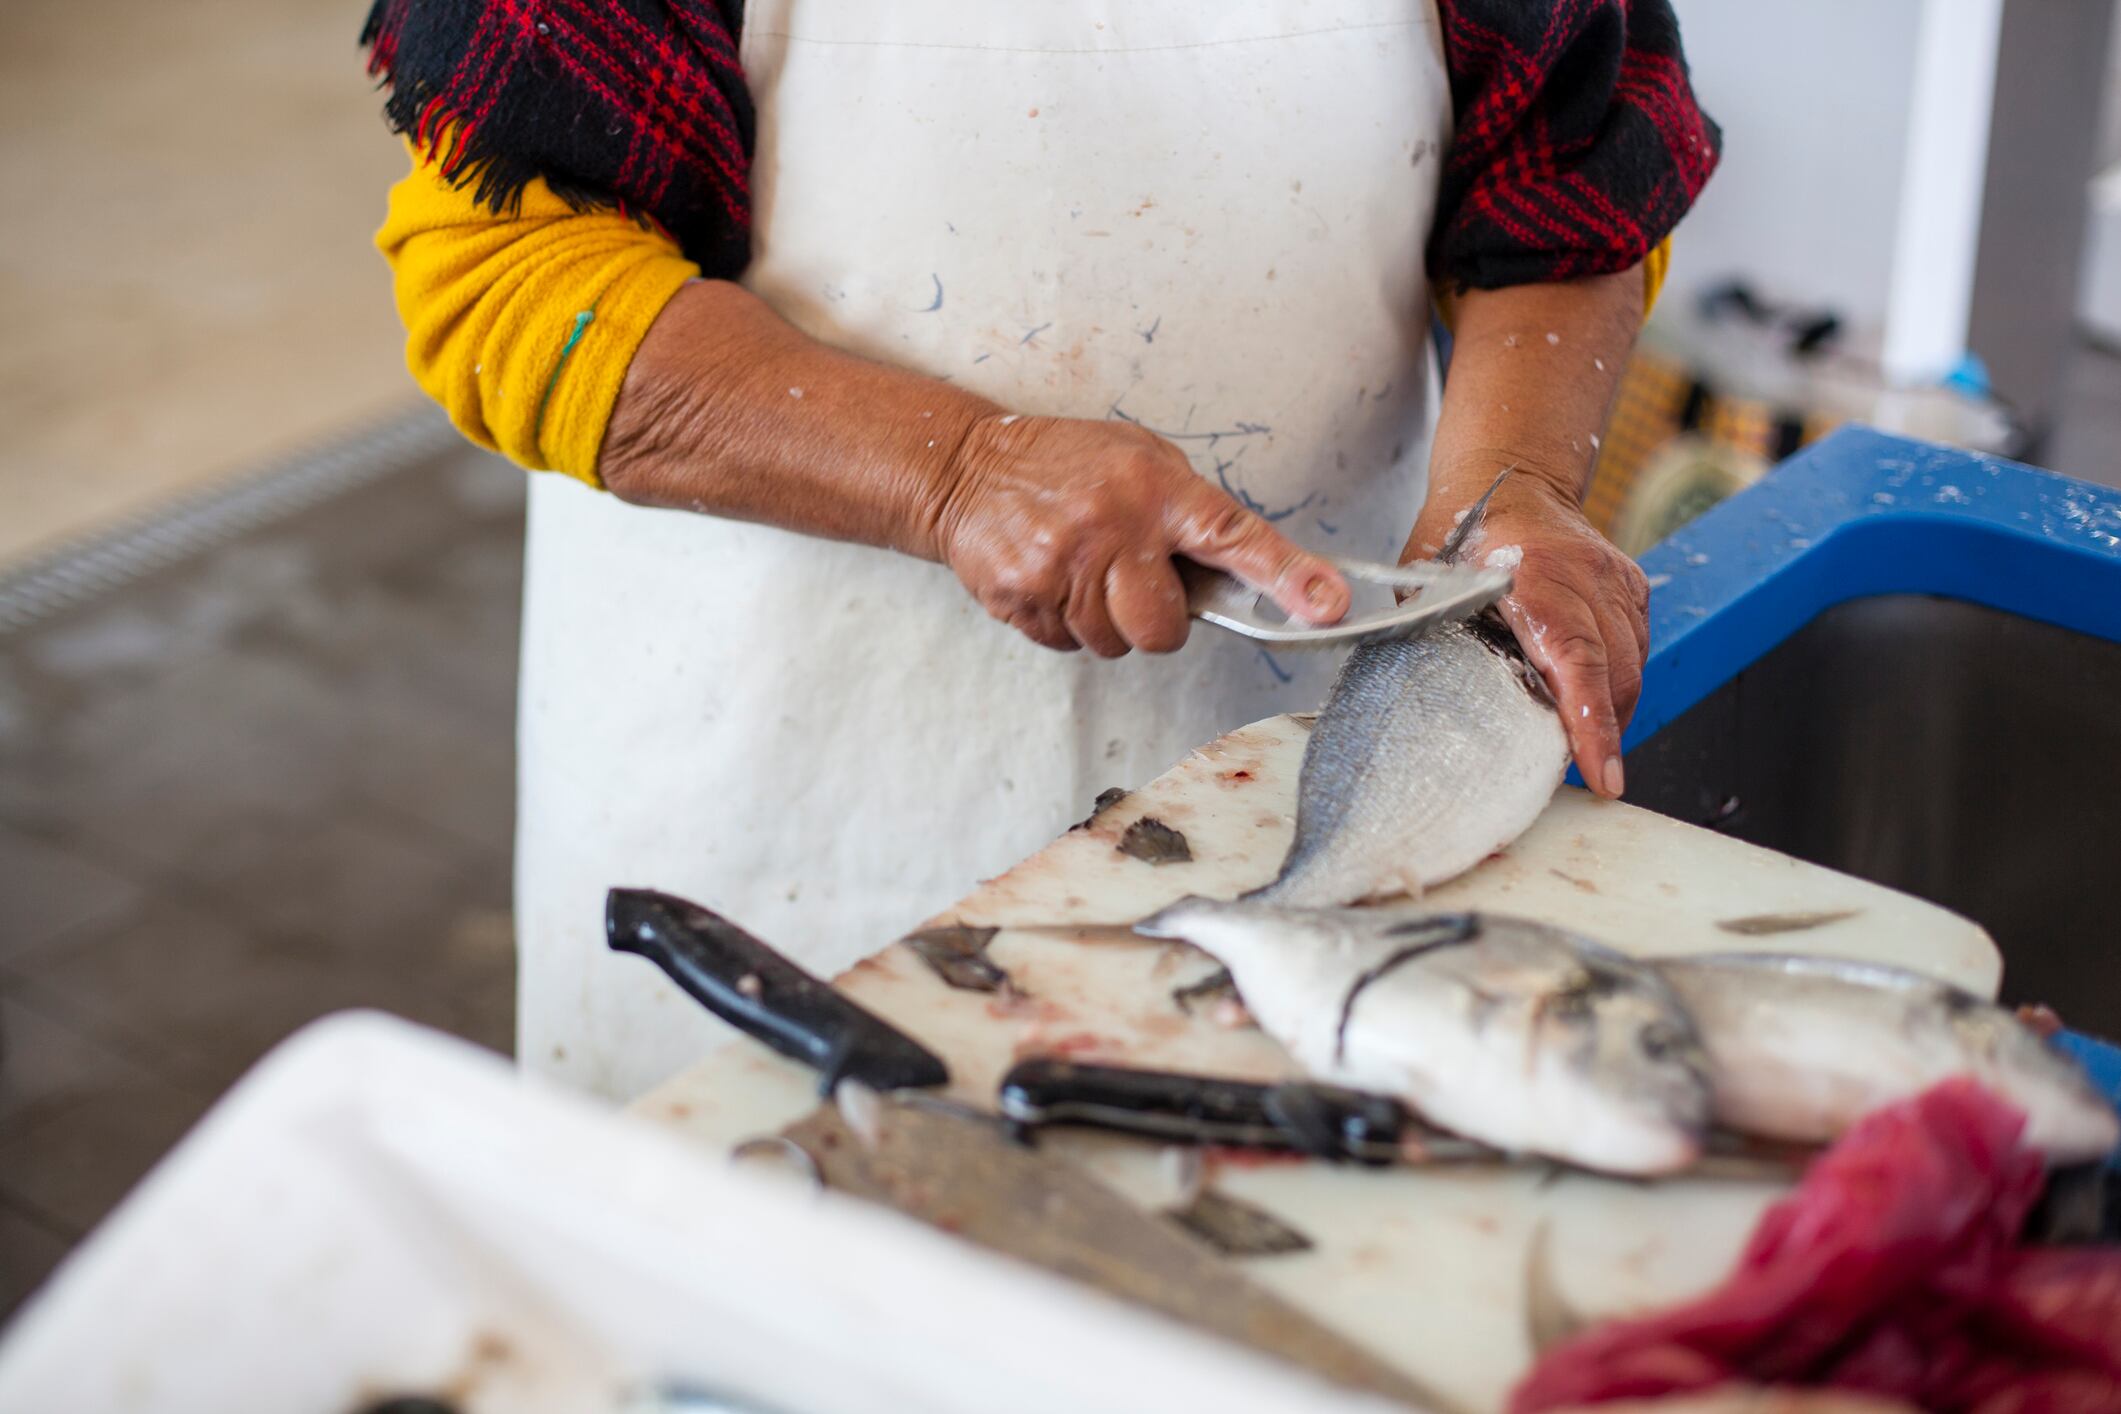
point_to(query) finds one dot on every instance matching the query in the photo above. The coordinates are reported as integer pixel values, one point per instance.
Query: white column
(1937, 233)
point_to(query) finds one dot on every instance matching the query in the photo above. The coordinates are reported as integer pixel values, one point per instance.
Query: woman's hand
(1066, 528)
(1580, 609)
(1532, 377)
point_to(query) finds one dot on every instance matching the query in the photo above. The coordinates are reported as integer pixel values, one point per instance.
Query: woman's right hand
(1066, 530)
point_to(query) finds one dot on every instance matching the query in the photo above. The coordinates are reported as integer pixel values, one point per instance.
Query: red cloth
(1577, 143)
(1891, 1270)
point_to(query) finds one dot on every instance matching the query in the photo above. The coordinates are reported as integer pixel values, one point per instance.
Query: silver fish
(1510, 1032)
(1799, 1048)
(1431, 754)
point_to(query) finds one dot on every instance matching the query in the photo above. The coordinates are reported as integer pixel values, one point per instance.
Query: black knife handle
(764, 995)
(1324, 1121)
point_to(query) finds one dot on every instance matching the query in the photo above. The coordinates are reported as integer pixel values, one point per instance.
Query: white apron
(1208, 219)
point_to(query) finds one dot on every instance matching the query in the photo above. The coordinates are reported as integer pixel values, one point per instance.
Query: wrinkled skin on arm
(1534, 369)
(1064, 528)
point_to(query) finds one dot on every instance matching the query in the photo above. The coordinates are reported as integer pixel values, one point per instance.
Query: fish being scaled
(1510, 1032)
(1431, 754)
(1800, 1047)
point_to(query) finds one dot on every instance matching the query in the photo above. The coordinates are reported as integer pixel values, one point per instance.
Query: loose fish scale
(1430, 755)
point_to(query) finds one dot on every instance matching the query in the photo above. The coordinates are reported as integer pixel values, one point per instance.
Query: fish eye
(1658, 1041)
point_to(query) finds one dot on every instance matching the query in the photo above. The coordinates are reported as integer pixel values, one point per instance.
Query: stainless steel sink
(1964, 755)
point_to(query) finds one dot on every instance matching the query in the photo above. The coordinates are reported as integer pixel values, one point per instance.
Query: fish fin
(1470, 522)
(1408, 890)
(1217, 986)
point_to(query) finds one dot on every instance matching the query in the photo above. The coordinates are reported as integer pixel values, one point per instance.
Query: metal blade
(1440, 593)
(960, 1172)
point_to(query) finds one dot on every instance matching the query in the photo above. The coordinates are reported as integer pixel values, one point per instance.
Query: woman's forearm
(729, 410)
(1066, 528)
(1533, 372)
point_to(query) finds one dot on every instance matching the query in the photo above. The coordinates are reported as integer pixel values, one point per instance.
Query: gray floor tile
(207, 760)
(29, 1250)
(179, 988)
(75, 1161)
(350, 882)
(47, 1062)
(437, 769)
(47, 889)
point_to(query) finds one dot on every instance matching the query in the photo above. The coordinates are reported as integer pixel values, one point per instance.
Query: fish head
(2066, 1117)
(1627, 1067)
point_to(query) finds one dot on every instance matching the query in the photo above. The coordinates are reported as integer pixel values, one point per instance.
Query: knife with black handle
(767, 997)
(1321, 1121)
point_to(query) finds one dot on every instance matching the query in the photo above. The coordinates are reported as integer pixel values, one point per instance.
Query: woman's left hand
(1580, 609)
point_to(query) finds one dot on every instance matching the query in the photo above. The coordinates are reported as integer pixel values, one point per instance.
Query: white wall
(1813, 96)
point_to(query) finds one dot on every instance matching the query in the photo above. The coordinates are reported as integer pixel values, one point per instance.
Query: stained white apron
(1208, 219)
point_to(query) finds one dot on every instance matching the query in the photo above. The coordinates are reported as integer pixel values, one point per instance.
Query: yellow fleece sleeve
(1654, 266)
(522, 325)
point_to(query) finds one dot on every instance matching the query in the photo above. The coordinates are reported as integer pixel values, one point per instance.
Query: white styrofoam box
(381, 1209)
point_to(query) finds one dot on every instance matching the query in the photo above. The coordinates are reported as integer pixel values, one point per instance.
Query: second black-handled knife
(1299, 1117)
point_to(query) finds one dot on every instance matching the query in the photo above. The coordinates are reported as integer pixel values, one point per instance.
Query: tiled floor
(268, 784)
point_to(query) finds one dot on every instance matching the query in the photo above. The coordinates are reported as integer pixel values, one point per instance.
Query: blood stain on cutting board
(1368, 1254)
(1073, 1045)
(1029, 1008)
(879, 966)
(1163, 1026)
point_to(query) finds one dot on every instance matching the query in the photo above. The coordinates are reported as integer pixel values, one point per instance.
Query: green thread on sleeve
(581, 322)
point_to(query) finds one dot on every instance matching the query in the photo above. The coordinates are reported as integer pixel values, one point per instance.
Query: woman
(834, 301)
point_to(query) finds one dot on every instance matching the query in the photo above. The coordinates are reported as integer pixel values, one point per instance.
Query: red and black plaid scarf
(634, 104)
(1578, 147)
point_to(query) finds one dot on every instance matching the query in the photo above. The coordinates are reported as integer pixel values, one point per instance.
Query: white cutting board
(1426, 1268)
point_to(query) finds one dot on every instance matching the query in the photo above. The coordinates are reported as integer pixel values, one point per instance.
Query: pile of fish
(1535, 1040)
(1435, 752)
